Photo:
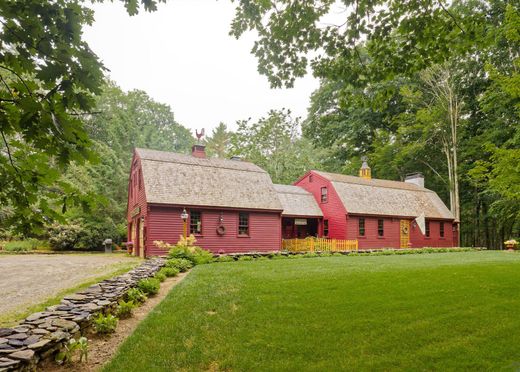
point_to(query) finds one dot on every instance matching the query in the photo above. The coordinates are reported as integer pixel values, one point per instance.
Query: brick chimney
(415, 178)
(198, 151)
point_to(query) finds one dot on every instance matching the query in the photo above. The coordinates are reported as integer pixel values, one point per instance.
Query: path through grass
(416, 312)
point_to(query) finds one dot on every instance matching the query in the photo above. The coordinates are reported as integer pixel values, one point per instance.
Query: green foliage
(169, 272)
(135, 295)
(64, 237)
(160, 276)
(24, 245)
(149, 286)
(274, 144)
(125, 309)
(187, 250)
(104, 324)
(224, 258)
(218, 144)
(245, 258)
(49, 77)
(182, 264)
(66, 355)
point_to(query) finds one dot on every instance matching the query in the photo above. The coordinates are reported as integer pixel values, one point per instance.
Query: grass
(12, 318)
(416, 312)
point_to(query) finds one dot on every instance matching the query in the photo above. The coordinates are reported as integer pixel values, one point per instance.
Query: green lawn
(444, 311)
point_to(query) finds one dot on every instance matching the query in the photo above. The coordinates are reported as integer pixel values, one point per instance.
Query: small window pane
(361, 227)
(195, 222)
(326, 227)
(441, 229)
(380, 227)
(243, 223)
(323, 194)
(427, 224)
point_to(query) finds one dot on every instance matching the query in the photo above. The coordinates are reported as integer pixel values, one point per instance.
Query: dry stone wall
(42, 334)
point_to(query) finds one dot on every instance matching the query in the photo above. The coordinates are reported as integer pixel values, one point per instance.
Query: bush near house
(186, 249)
(149, 286)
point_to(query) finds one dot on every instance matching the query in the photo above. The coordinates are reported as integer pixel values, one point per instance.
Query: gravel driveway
(27, 280)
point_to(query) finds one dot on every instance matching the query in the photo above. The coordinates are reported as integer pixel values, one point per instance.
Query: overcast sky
(182, 55)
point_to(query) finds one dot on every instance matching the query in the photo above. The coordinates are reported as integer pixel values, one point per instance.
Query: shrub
(125, 308)
(310, 255)
(25, 245)
(160, 276)
(186, 249)
(245, 258)
(149, 286)
(181, 264)
(224, 259)
(65, 356)
(64, 237)
(135, 295)
(105, 323)
(169, 271)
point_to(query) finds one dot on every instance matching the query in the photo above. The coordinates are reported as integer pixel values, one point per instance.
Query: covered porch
(301, 227)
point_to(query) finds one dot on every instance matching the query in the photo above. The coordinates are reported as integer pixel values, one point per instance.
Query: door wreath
(405, 229)
(221, 230)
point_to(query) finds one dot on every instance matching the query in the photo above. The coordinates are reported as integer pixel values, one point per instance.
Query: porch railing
(319, 244)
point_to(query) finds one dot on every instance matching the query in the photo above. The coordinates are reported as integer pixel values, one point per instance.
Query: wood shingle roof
(384, 197)
(171, 178)
(297, 201)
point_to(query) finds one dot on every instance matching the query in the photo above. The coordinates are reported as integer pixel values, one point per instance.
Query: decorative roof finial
(199, 135)
(365, 171)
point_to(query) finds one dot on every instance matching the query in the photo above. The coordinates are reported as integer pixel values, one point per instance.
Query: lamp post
(184, 216)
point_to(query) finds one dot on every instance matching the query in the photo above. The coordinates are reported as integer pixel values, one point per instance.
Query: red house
(232, 204)
(381, 213)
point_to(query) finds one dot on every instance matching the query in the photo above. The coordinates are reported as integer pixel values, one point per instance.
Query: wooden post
(185, 229)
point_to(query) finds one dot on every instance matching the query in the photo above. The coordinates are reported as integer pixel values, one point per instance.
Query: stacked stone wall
(43, 334)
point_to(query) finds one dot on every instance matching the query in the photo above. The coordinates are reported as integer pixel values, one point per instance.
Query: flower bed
(43, 334)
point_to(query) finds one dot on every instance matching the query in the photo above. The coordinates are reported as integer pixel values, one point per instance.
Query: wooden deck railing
(319, 244)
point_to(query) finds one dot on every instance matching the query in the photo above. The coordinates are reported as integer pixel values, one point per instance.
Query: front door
(141, 239)
(405, 233)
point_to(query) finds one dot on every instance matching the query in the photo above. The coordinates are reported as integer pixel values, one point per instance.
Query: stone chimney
(364, 171)
(415, 178)
(198, 151)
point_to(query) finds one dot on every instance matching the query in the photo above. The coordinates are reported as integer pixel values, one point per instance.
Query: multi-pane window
(427, 225)
(243, 223)
(326, 227)
(441, 230)
(361, 227)
(380, 227)
(195, 222)
(323, 194)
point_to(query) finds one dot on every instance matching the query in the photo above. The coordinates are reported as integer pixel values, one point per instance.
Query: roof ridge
(204, 165)
(367, 182)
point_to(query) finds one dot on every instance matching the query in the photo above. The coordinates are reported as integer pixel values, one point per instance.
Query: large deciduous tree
(48, 78)
(274, 143)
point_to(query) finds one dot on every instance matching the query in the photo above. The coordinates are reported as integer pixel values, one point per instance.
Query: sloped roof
(171, 178)
(384, 197)
(297, 201)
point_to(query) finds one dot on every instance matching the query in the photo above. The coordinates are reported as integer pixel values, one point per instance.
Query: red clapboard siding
(165, 223)
(136, 198)
(419, 240)
(371, 240)
(333, 210)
